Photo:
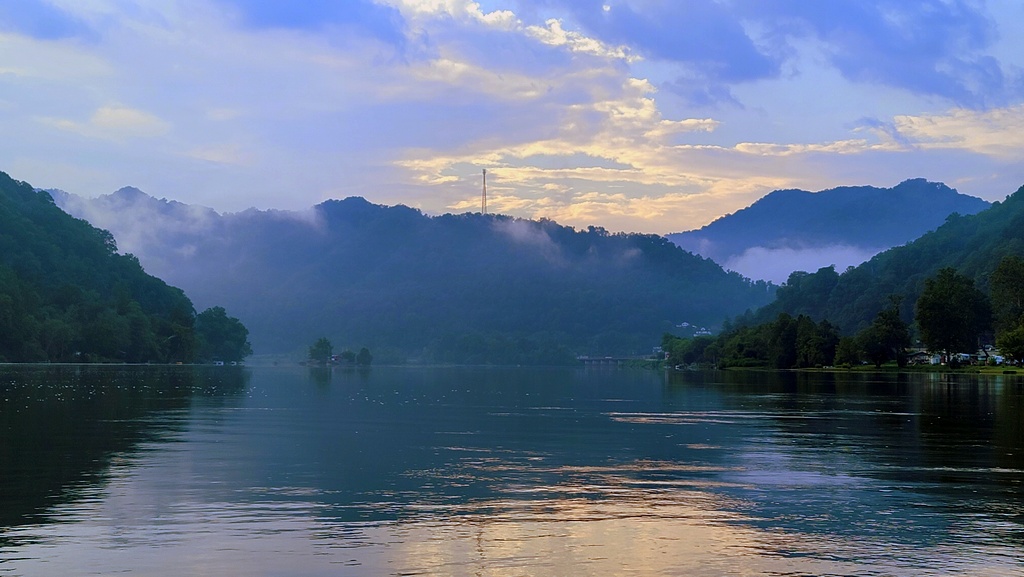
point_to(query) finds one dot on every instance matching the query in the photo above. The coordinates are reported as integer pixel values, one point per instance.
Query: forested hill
(974, 245)
(66, 295)
(451, 288)
(791, 230)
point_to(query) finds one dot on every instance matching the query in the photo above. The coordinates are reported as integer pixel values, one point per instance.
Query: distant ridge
(789, 230)
(972, 244)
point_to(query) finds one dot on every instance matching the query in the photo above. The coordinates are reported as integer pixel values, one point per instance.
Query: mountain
(67, 295)
(972, 244)
(458, 288)
(791, 230)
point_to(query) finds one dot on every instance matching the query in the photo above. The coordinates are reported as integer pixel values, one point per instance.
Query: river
(266, 471)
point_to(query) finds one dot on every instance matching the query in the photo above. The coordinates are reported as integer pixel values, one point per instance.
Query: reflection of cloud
(776, 264)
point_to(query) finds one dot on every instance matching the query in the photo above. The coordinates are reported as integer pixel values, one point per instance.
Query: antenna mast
(483, 199)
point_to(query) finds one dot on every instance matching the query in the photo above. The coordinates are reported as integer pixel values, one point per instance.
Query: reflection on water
(508, 472)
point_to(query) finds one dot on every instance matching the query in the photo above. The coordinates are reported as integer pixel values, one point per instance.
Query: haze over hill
(974, 245)
(465, 288)
(66, 295)
(789, 230)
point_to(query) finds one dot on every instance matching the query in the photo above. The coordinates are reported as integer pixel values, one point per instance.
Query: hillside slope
(973, 244)
(67, 295)
(791, 230)
(460, 288)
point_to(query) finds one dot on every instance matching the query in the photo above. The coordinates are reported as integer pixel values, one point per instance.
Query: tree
(815, 343)
(364, 358)
(1011, 343)
(888, 336)
(847, 352)
(782, 342)
(951, 313)
(686, 351)
(221, 337)
(1007, 292)
(321, 350)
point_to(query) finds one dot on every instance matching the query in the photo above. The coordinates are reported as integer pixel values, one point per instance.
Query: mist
(776, 264)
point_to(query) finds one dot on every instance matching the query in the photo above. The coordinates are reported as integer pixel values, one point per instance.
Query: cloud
(232, 154)
(42, 62)
(114, 122)
(996, 132)
(361, 16)
(705, 37)
(776, 264)
(40, 20)
(553, 34)
(530, 235)
(934, 47)
(647, 116)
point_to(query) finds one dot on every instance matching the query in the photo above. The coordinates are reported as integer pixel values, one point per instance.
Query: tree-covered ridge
(864, 216)
(467, 288)
(972, 245)
(67, 295)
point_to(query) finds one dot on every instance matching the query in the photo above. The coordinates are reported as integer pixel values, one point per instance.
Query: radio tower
(483, 198)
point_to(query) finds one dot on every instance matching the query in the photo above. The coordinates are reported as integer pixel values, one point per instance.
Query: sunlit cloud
(652, 117)
(114, 122)
(552, 33)
(996, 132)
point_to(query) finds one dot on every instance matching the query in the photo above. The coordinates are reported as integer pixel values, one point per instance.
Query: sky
(636, 115)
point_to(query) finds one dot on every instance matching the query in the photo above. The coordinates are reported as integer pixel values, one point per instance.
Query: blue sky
(637, 115)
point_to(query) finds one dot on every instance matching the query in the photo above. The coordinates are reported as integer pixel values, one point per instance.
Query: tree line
(951, 316)
(321, 352)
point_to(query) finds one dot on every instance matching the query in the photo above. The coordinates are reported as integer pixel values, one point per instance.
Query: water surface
(460, 471)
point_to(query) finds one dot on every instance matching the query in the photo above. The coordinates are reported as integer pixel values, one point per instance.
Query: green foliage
(785, 343)
(887, 338)
(973, 245)
(1006, 289)
(465, 288)
(1011, 343)
(321, 350)
(221, 337)
(364, 358)
(951, 312)
(689, 351)
(67, 295)
(848, 352)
